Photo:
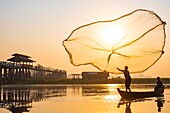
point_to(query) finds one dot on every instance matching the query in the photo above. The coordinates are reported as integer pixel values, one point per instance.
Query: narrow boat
(132, 95)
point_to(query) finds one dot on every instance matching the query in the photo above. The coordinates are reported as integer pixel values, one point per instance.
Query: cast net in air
(135, 40)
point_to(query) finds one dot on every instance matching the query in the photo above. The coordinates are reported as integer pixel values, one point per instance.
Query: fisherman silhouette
(127, 78)
(159, 84)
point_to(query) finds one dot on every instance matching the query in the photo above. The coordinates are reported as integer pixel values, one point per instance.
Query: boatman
(159, 84)
(127, 78)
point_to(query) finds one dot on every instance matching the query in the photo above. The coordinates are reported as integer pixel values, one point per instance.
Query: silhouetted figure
(128, 103)
(159, 84)
(128, 110)
(127, 78)
(160, 104)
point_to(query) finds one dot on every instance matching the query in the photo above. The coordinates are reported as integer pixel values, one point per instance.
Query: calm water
(78, 99)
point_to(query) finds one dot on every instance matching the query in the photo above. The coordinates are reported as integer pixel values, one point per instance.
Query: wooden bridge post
(23, 73)
(10, 73)
(29, 73)
(16, 95)
(20, 73)
(0, 74)
(4, 94)
(5, 75)
(0, 94)
(16, 73)
(26, 73)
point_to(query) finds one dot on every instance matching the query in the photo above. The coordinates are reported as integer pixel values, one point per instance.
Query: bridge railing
(37, 67)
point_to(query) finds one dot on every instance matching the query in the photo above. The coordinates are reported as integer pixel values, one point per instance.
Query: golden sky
(38, 27)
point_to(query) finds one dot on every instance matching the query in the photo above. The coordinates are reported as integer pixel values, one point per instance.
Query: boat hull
(133, 95)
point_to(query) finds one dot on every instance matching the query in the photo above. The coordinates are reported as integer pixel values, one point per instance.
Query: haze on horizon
(38, 27)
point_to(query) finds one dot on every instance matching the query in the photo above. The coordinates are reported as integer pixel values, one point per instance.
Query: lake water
(85, 98)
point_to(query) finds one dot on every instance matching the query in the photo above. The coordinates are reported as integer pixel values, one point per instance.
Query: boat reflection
(20, 99)
(160, 101)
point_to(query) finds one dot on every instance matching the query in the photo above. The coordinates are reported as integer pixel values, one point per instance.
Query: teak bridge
(21, 67)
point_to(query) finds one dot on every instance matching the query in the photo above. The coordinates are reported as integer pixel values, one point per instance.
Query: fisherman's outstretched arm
(119, 69)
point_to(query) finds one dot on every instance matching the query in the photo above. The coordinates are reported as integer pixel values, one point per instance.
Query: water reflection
(128, 110)
(128, 104)
(95, 90)
(15, 109)
(100, 98)
(19, 99)
(15, 100)
(160, 101)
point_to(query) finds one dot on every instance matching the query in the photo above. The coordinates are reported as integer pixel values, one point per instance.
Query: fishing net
(135, 40)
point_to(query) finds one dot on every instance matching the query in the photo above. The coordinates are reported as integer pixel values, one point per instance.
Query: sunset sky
(38, 27)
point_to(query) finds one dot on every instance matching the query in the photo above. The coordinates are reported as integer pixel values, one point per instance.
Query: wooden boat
(132, 95)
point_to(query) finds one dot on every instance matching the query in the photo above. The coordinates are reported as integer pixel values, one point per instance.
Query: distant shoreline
(80, 81)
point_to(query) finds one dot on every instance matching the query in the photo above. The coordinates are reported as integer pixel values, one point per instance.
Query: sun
(112, 34)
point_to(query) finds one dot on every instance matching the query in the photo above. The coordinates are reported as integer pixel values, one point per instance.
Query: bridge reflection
(20, 99)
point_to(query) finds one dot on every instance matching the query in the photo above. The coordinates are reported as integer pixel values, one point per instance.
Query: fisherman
(159, 84)
(127, 78)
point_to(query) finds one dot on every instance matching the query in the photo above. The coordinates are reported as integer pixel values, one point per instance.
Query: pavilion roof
(20, 55)
(20, 58)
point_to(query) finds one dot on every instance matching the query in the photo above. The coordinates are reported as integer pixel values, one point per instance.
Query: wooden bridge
(21, 67)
